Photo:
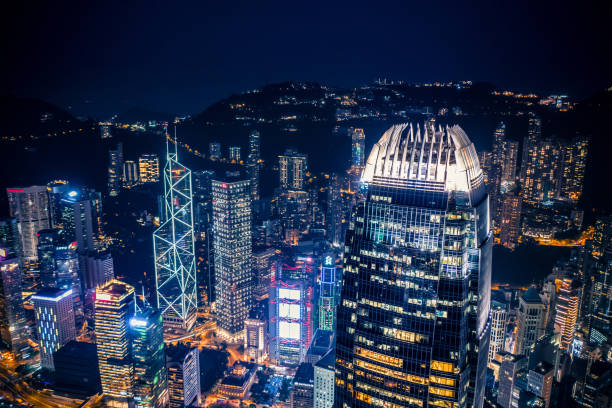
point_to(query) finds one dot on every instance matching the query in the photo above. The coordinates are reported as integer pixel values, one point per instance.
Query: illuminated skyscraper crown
(424, 158)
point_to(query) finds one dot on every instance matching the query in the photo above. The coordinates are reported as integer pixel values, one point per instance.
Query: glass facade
(413, 322)
(327, 295)
(173, 245)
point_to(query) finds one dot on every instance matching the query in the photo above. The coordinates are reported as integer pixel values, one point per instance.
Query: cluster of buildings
(130, 173)
(539, 198)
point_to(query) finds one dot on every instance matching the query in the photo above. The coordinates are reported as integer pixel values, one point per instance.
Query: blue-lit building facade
(291, 313)
(413, 320)
(326, 310)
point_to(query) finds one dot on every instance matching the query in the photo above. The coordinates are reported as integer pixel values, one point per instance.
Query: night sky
(105, 58)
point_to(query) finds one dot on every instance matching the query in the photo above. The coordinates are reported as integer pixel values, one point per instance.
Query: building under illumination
(292, 167)
(499, 317)
(54, 313)
(566, 317)
(115, 170)
(253, 165)
(531, 320)
(326, 302)
(233, 254)
(130, 174)
(114, 306)
(214, 150)
(149, 359)
(13, 324)
(414, 316)
(148, 168)
(183, 364)
(173, 246)
(234, 154)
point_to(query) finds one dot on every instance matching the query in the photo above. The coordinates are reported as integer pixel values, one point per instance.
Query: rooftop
(531, 295)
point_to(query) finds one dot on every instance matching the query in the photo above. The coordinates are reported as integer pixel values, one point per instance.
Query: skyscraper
(13, 325)
(302, 391)
(183, 365)
(510, 225)
(290, 309)
(574, 165)
(81, 212)
(413, 321)
(114, 305)
(531, 317)
(130, 174)
(253, 164)
(48, 240)
(234, 154)
(499, 316)
(568, 300)
(9, 238)
(292, 167)
(148, 168)
(173, 246)
(534, 134)
(256, 338)
(510, 366)
(115, 170)
(357, 148)
(324, 381)
(542, 174)
(54, 313)
(30, 207)
(214, 150)
(233, 253)
(326, 319)
(149, 359)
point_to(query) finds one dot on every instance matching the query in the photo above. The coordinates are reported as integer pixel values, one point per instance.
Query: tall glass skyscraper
(175, 271)
(326, 313)
(413, 323)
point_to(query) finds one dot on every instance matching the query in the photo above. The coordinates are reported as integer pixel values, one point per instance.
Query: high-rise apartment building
(214, 150)
(114, 306)
(324, 381)
(499, 317)
(292, 168)
(543, 171)
(290, 307)
(531, 318)
(234, 154)
(534, 134)
(54, 313)
(30, 207)
(327, 299)
(510, 221)
(149, 359)
(574, 165)
(148, 168)
(183, 364)
(130, 176)
(233, 253)
(253, 163)
(115, 170)
(413, 320)
(174, 251)
(566, 317)
(13, 324)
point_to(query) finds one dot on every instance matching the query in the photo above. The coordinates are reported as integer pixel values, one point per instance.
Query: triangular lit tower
(175, 272)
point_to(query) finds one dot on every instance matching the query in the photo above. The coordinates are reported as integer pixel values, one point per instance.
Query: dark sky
(108, 57)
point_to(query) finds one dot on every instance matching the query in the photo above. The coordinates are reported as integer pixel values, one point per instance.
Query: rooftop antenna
(175, 144)
(166, 137)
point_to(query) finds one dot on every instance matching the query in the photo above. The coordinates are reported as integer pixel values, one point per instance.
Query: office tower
(149, 359)
(115, 170)
(148, 168)
(233, 254)
(324, 381)
(539, 381)
(105, 132)
(57, 190)
(327, 295)
(68, 276)
(234, 154)
(48, 240)
(54, 313)
(292, 168)
(114, 305)
(568, 300)
(97, 268)
(183, 364)
(173, 246)
(335, 217)
(253, 163)
(510, 225)
(81, 212)
(13, 326)
(30, 207)
(255, 339)
(322, 342)
(414, 312)
(302, 392)
(262, 266)
(202, 201)
(76, 369)
(599, 300)
(499, 317)
(214, 150)
(130, 174)
(574, 165)
(357, 148)
(511, 364)
(531, 317)
(290, 310)
(9, 238)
